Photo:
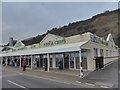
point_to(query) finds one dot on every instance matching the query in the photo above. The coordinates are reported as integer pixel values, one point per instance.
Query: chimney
(11, 41)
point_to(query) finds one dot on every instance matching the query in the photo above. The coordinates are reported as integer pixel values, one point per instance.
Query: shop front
(60, 53)
(59, 61)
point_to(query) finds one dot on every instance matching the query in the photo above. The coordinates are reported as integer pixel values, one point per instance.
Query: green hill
(101, 25)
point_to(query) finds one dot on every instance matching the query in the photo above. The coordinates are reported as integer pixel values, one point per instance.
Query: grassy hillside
(101, 25)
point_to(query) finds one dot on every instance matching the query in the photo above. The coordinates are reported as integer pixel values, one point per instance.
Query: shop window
(57, 62)
(84, 60)
(106, 52)
(95, 52)
(71, 60)
(101, 52)
(51, 64)
(27, 61)
(110, 53)
(77, 61)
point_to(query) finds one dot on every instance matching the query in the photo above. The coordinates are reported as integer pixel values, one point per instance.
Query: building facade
(58, 52)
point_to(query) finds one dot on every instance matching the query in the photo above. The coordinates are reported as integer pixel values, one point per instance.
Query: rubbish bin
(99, 62)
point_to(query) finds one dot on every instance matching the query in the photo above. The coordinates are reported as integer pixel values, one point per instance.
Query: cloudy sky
(22, 20)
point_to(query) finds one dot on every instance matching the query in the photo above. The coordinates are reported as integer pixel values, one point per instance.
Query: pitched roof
(14, 41)
(6, 46)
(33, 40)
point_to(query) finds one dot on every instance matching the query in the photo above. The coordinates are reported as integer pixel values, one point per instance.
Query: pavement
(106, 78)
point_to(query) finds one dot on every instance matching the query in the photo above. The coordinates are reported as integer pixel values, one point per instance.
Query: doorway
(66, 60)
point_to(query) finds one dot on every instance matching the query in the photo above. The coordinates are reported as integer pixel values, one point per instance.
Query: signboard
(57, 42)
(23, 48)
(98, 40)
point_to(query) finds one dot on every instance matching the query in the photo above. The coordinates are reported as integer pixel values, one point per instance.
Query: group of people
(9, 62)
(15, 63)
(24, 62)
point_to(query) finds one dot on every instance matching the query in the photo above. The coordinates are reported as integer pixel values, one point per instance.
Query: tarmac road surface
(19, 80)
(106, 78)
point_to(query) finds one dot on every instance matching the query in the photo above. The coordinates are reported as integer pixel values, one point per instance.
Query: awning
(54, 49)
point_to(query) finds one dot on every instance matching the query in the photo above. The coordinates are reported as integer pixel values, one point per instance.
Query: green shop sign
(98, 40)
(23, 48)
(51, 43)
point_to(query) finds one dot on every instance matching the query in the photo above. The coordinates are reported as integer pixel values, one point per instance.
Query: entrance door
(66, 61)
(72, 61)
(59, 61)
(77, 60)
(84, 60)
(41, 63)
(51, 61)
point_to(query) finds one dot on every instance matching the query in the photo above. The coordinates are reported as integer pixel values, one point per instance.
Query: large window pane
(72, 60)
(77, 61)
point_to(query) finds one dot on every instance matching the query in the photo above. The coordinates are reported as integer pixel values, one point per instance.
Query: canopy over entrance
(53, 49)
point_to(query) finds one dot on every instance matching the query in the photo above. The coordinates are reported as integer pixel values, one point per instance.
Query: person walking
(13, 63)
(24, 65)
(3, 62)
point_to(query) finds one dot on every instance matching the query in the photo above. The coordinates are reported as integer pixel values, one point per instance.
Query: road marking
(78, 82)
(90, 84)
(107, 64)
(104, 86)
(17, 85)
(40, 77)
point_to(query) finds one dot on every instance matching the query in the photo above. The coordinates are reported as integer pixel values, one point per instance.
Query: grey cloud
(24, 20)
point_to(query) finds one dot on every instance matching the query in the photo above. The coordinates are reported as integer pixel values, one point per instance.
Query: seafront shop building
(56, 52)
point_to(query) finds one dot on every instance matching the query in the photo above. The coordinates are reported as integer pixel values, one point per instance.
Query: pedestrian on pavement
(8, 61)
(13, 63)
(24, 64)
(3, 62)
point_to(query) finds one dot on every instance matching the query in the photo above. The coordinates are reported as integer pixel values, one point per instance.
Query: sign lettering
(51, 43)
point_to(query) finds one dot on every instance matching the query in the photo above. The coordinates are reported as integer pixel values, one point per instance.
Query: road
(13, 79)
(106, 78)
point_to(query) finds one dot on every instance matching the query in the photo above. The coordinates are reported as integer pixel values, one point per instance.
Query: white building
(69, 51)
